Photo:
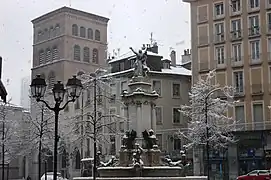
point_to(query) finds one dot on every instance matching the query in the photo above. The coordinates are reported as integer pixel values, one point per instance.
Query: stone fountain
(139, 156)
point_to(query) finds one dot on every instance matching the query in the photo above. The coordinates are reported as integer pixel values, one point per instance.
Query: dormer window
(166, 64)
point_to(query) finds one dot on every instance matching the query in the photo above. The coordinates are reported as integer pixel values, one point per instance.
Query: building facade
(170, 81)
(233, 37)
(25, 92)
(67, 41)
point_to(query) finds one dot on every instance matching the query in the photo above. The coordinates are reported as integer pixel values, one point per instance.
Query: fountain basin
(146, 171)
(145, 178)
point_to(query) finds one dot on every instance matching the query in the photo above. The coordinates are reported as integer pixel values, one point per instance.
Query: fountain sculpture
(139, 156)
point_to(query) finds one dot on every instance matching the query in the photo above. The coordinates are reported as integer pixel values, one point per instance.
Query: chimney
(173, 58)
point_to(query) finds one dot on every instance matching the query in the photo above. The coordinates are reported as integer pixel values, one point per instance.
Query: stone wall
(146, 178)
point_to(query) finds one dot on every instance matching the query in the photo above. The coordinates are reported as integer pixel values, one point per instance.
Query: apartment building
(170, 81)
(233, 37)
(66, 42)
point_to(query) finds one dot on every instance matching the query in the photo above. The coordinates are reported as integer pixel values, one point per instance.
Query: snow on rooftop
(130, 54)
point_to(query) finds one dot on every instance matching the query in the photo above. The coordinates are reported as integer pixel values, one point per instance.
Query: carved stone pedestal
(125, 157)
(153, 157)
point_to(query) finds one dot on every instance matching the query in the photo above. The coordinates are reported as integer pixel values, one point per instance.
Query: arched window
(51, 80)
(74, 30)
(48, 55)
(95, 56)
(77, 160)
(90, 33)
(76, 52)
(51, 32)
(86, 54)
(41, 57)
(82, 32)
(55, 53)
(57, 29)
(97, 35)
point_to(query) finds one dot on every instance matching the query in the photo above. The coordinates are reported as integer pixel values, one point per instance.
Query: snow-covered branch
(209, 103)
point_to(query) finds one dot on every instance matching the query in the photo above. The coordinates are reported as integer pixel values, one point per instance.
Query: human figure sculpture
(149, 138)
(129, 139)
(137, 155)
(140, 64)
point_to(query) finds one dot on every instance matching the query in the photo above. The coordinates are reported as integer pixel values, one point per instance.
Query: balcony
(203, 66)
(257, 125)
(256, 89)
(237, 61)
(254, 32)
(235, 12)
(219, 38)
(203, 41)
(255, 59)
(253, 9)
(236, 35)
(219, 17)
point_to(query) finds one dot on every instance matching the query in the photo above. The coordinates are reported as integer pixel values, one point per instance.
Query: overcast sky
(131, 22)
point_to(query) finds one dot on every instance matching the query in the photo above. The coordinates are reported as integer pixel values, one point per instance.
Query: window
(97, 35)
(219, 32)
(219, 9)
(57, 30)
(39, 35)
(176, 90)
(51, 32)
(254, 28)
(236, 52)
(82, 32)
(113, 145)
(236, 5)
(122, 66)
(46, 34)
(158, 113)
(121, 124)
(77, 160)
(258, 116)
(254, 4)
(159, 138)
(176, 115)
(156, 86)
(77, 104)
(90, 33)
(238, 81)
(48, 55)
(269, 2)
(255, 50)
(51, 79)
(88, 147)
(220, 55)
(123, 86)
(112, 123)
(88, 98)
(269, 21)
(41, 57)
(177, 144)
(240, 117)
(55, 53)
(86, 54)
(236, 25)
(76, 53)
(95, 54)
(74, 30)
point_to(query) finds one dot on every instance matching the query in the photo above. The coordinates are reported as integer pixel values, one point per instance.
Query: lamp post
(74, 88)
(207, 128)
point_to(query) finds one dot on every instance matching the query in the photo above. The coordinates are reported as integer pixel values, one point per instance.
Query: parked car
(50, 176)
(256, 175)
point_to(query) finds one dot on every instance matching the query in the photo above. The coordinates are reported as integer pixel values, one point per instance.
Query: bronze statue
(128, 140)
(141, 68)
(149, 138)
(137, 155)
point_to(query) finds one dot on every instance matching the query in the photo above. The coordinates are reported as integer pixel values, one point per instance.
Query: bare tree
(39, 134)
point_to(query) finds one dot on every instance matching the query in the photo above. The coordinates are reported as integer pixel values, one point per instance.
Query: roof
(184, 63)
(172, 71)
(70, 10)
(130, 54)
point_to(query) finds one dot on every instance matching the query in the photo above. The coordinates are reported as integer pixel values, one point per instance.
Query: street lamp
(73, 88)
